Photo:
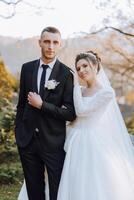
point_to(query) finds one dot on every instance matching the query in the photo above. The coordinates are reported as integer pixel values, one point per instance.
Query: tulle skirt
(96, 169)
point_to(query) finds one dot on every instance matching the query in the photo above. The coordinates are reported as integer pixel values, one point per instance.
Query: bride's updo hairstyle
(90, 57)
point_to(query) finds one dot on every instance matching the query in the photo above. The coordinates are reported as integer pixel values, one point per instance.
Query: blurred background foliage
(8, 84)
(10, 167)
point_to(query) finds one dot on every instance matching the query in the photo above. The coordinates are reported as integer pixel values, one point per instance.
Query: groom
(45, 104)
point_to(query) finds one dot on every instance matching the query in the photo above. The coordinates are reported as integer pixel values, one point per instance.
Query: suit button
(36, 130)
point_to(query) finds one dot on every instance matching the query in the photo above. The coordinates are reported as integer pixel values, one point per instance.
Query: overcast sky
(68, 15)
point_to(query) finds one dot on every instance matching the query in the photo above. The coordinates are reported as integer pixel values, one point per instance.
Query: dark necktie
(42, 82)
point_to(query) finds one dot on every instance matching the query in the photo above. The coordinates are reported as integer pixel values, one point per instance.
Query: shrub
(10, 174)
(7, 116)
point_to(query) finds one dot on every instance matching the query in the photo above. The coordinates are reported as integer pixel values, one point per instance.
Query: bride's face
(86, 70)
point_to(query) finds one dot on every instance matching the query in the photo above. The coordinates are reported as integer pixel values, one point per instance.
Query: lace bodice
(92, 108)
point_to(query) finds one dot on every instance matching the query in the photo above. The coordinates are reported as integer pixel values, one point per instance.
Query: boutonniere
(51, 84)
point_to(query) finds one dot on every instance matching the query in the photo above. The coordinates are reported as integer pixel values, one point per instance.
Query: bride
(99, 163)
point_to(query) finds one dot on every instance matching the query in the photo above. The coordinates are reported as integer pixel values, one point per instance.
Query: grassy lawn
(10, 172)
(9, 192)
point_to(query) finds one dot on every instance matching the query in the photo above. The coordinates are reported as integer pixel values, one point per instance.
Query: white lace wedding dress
(99, 162)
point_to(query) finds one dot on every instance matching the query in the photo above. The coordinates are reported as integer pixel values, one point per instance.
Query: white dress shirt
(48, 71)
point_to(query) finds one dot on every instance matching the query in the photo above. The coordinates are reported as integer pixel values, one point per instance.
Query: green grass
(9, 192)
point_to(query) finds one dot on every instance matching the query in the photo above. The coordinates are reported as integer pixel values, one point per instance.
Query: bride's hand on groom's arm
(34, 100)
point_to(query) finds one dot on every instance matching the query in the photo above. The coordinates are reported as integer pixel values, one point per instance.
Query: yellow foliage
(130, 98)
(7, 82)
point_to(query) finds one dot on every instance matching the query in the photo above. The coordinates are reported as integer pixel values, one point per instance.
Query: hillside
(116, 52)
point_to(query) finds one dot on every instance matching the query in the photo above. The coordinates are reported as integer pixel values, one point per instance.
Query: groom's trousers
(34, 161)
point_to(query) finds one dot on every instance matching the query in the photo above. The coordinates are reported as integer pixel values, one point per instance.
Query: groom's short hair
(50, 29)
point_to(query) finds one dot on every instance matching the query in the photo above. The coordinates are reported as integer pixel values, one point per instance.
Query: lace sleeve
(84, 106)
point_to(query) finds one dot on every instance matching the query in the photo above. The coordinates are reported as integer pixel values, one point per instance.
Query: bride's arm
(96, 103)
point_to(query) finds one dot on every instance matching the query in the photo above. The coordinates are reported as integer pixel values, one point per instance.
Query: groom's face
(50, 44)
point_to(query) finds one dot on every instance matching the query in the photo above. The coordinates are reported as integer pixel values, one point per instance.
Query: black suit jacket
(51, 118)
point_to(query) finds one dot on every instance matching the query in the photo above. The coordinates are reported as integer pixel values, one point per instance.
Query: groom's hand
(34, 100)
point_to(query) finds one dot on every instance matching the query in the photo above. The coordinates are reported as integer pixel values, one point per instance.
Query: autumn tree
(7, 83)
(10, 8)
(117, 50)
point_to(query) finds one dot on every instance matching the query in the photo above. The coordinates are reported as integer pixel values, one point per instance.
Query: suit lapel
(34, 78)
(53, 76)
